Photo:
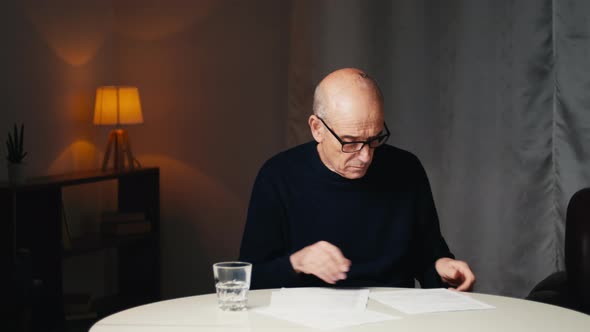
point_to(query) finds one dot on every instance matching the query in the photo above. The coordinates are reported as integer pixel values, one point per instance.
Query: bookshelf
(32, 217)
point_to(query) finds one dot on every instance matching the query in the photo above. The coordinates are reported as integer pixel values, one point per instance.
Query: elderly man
(346, 209)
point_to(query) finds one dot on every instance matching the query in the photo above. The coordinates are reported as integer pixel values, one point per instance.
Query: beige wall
(212, 77)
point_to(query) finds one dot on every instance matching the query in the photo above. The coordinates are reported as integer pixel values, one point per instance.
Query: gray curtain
(489, 94)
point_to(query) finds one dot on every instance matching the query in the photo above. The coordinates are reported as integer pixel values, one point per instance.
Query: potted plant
(16, 154)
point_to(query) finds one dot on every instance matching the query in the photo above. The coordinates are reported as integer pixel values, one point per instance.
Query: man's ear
(317, 130)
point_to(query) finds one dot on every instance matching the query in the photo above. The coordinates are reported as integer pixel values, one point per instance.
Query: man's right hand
(322, 259)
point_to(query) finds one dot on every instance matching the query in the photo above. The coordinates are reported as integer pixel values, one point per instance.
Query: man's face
(357, 117)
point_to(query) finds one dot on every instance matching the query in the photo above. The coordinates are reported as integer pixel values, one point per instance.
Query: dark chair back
(577, 247)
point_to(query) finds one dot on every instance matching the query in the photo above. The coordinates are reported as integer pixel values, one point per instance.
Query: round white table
(200, 313)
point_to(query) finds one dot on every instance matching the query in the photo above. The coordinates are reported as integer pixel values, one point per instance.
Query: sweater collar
(324, 172)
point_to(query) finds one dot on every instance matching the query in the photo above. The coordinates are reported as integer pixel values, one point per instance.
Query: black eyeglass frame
(368, 142)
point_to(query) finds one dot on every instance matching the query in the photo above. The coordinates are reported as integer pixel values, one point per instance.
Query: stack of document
(323, 308)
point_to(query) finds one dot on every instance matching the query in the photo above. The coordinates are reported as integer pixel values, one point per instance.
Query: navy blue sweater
(385, 222)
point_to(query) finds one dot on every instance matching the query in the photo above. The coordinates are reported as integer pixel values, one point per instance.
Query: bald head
(341, 85)
(348, 108)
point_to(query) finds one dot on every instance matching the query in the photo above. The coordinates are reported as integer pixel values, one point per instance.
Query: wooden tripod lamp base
(120, 145)
(118, 105)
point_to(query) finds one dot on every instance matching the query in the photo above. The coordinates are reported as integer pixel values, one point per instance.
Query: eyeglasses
(355, 146)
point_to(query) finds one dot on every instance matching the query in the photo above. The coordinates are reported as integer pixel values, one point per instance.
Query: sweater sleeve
(265, 239)
(429, 244)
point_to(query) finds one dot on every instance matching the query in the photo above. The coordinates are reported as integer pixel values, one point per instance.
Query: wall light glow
(74, 30)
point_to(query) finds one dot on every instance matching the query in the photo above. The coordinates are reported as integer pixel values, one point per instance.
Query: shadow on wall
(159, 19)
(201, 223)
(80, 155)
(75, 31)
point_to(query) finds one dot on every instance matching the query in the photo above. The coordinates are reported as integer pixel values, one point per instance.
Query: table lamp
(118, 105)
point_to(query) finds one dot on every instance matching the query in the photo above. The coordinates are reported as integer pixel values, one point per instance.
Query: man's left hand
(455, 273)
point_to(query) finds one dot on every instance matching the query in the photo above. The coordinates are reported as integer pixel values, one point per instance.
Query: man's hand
(322, 259)
(455, 273)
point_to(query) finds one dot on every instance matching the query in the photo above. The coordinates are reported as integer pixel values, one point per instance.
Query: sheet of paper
(322, 308)
(326, 320)
(324, 299)
(417, 301)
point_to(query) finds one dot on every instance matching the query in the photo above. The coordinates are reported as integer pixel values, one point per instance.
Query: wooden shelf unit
(31, 215)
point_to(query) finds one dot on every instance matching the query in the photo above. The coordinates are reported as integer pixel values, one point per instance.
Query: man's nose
(364, 154)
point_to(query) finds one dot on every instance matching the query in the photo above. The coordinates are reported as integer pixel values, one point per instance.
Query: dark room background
(489, 94)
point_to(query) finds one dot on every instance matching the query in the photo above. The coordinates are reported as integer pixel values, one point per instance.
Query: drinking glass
(232, 281)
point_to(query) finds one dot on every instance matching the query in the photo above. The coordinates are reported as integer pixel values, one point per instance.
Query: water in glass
(232, 295)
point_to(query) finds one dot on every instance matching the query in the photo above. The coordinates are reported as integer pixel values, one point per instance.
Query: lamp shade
(117, 105)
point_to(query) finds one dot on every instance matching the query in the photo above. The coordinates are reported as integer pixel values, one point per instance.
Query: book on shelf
(78, 305)
(124, 223)
(126, 228)
(81, 315)
(66, 238)
(122, 216)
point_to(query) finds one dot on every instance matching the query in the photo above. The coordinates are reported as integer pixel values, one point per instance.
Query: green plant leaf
(20, 143)
(10, 144)
(15, 144)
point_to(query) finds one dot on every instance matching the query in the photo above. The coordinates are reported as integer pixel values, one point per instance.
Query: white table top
(200, 313)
